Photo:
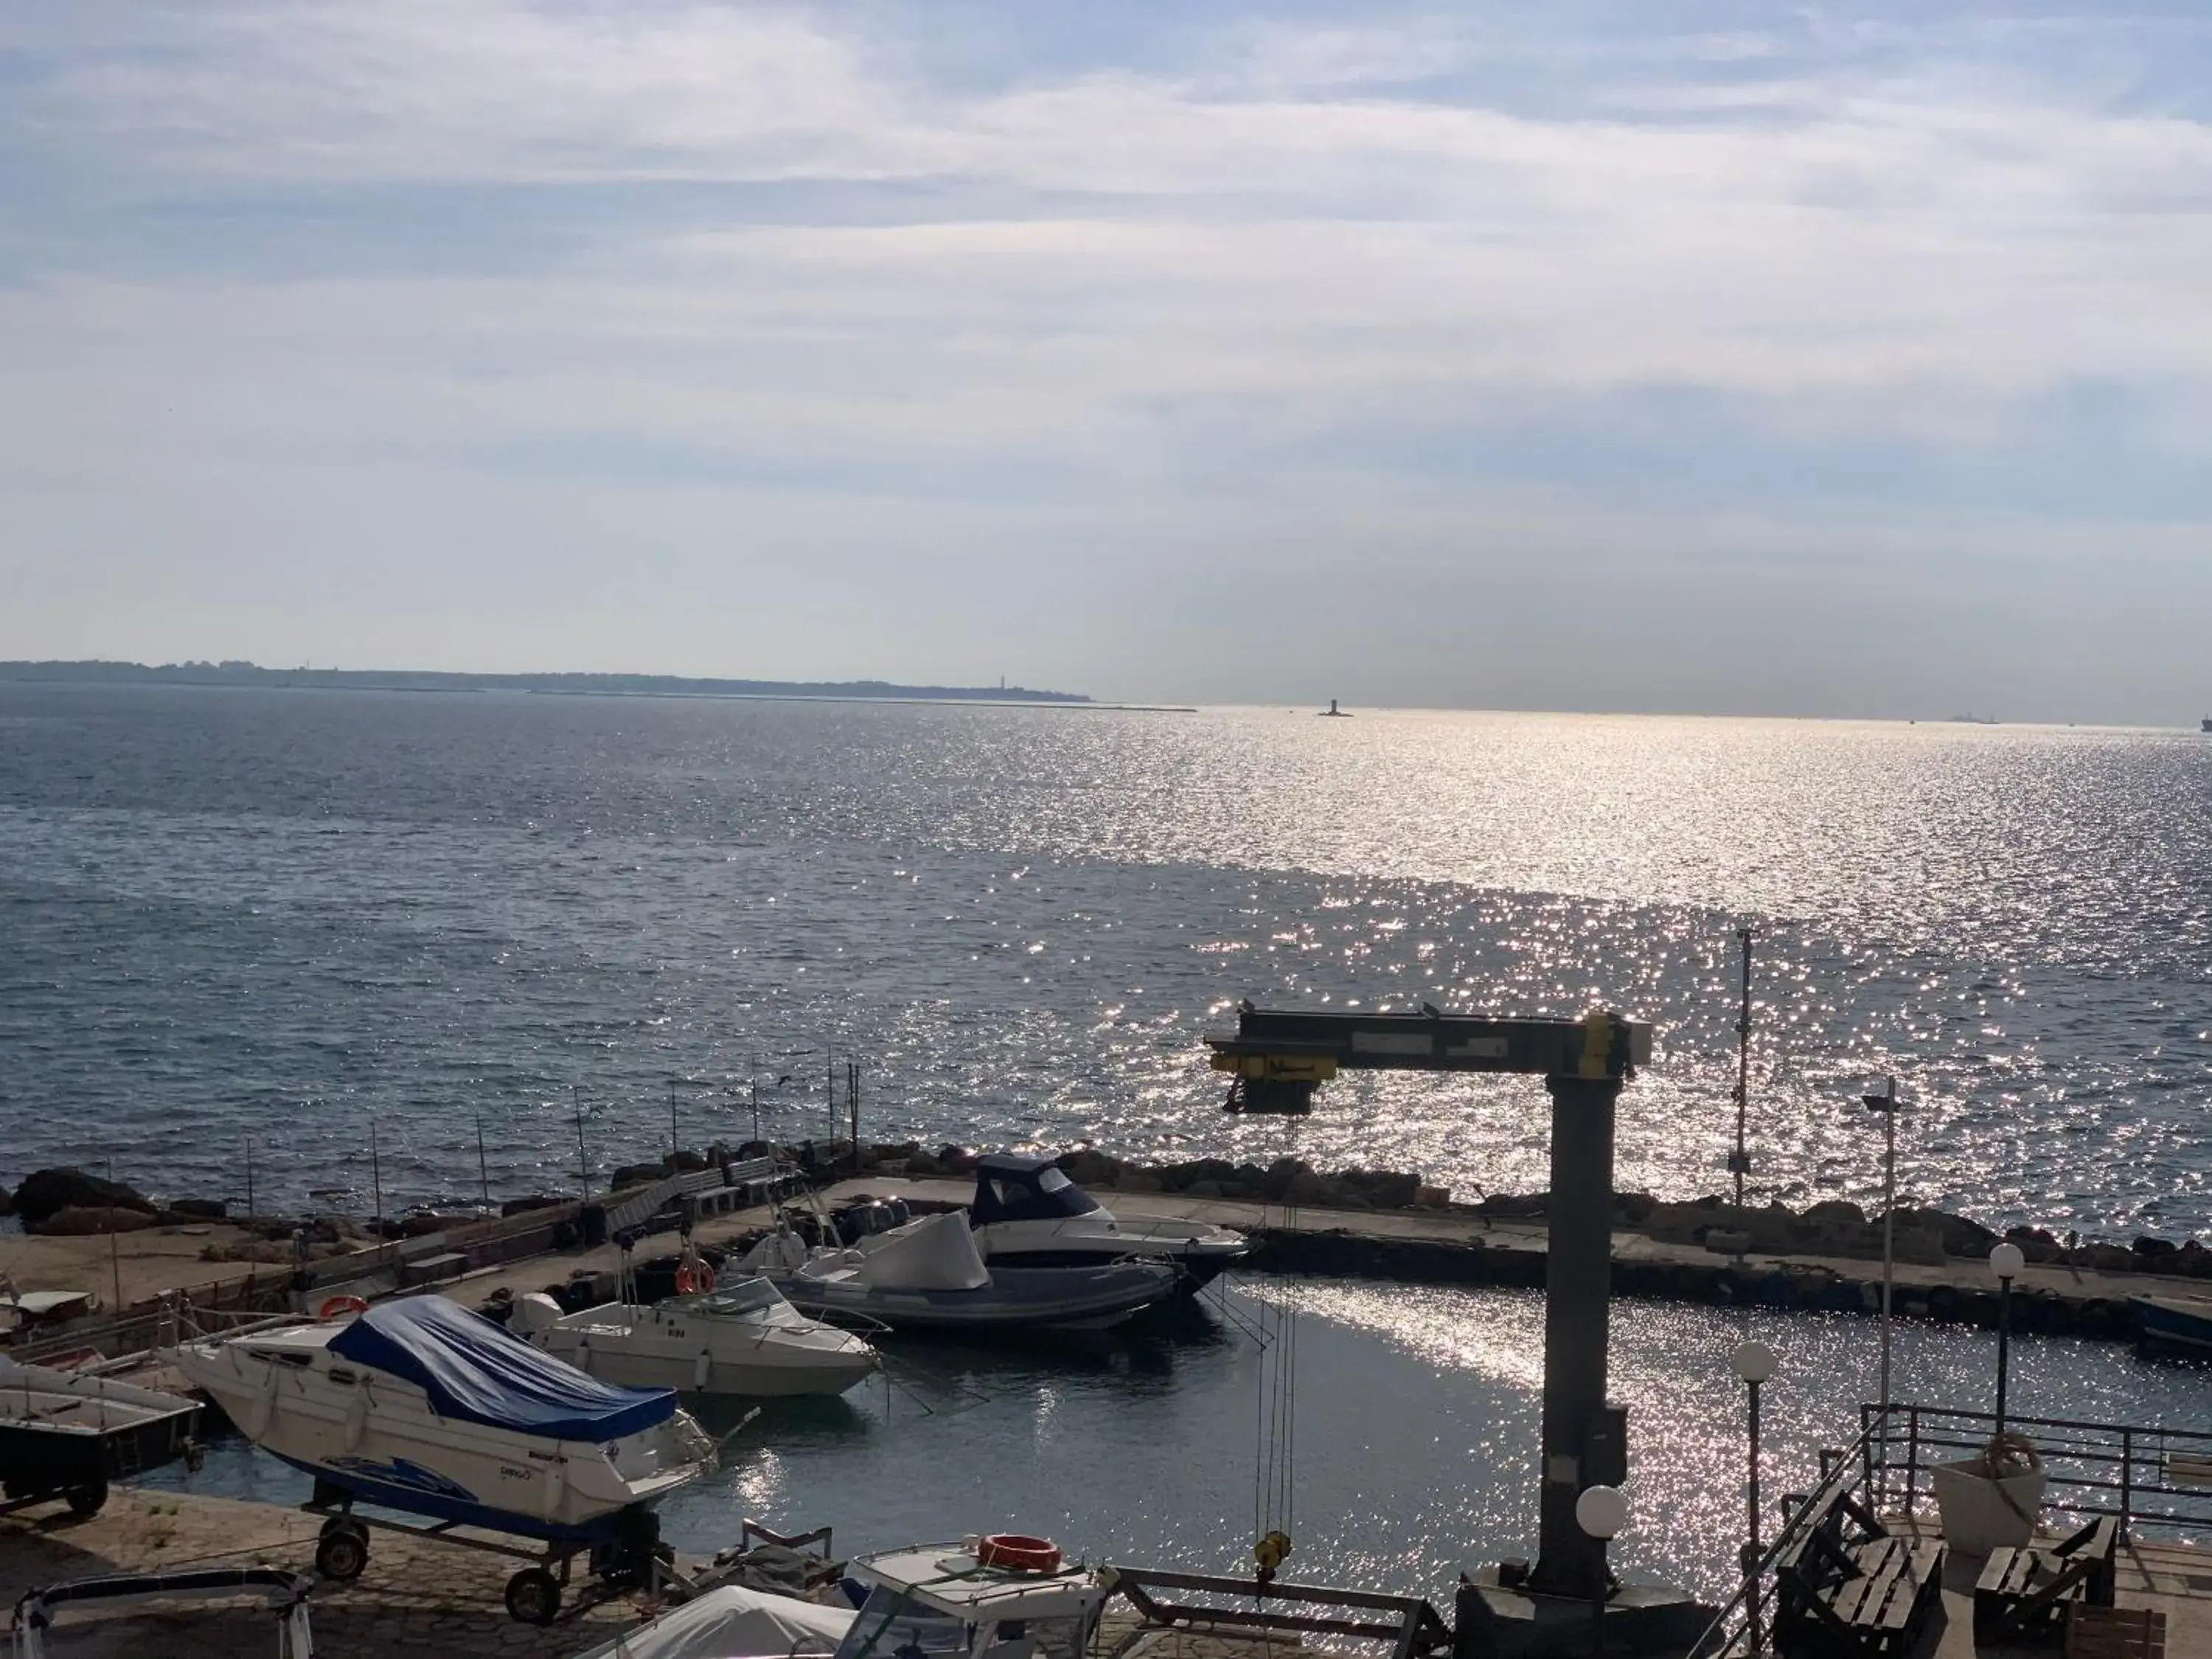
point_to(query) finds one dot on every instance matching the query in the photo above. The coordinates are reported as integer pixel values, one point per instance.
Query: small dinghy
(927, 1275)
(738, 1338)
(66, 1435)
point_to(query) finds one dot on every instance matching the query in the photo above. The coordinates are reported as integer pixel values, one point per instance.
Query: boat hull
(58, 1431)
(769, 1374)
(2169, 1325)
(1017, 1299)
(381, 1440)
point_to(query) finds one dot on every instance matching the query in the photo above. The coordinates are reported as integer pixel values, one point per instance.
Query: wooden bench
(2095, 1632)
(1850, 1588)
(2023, 1594)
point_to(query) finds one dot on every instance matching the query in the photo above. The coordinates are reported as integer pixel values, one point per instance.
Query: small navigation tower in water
(1332, 713)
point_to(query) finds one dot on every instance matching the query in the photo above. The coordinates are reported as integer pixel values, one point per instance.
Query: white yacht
(927, 1275)
(1027, 1213)
(740, 1337)
(420, 1406)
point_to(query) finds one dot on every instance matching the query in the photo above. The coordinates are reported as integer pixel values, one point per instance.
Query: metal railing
(2155, 1478)
(1410, 1625)
(1741, 1628)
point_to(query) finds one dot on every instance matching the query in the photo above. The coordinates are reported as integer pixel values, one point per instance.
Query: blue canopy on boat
(475, 1371)
(1024, 1186)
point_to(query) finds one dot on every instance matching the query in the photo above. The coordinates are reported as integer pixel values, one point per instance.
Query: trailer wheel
(87, 1500)
(342, 1554)
(533, 1597)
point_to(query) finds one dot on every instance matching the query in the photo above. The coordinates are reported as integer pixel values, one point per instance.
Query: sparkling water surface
(234, 914)
(1417, 1415)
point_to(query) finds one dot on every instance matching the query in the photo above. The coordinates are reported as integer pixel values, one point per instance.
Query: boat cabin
(1013, 1187)
(940, 1601)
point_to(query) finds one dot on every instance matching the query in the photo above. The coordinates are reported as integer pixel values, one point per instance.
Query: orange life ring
(1018, 1553)
(333, 1306)
(691, 1281)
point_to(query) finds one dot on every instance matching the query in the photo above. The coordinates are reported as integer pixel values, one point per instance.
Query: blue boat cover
(1024, 1186)
(475, 1371)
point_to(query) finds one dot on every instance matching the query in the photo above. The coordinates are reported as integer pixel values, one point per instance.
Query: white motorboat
(740, 1337)
(927, 1275)
(1027, 1213)
(420, 1406)
(64, 1434)
(1002, 1597)
(734, 1621)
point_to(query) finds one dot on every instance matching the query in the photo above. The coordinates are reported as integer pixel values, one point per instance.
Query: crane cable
(1275, 1425)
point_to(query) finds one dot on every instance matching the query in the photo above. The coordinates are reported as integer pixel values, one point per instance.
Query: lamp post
(1600, 1512)
(1885, 1104)
(1754, 1363)
(2007, 1261)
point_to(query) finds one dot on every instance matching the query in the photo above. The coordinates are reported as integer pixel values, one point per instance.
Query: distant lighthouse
(1332, 713)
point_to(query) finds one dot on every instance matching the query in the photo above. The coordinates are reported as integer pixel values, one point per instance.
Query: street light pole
(1740, 1160)
(1600, 1512)
(1754, 1363)
(2007, 1259)
(1885, 1104)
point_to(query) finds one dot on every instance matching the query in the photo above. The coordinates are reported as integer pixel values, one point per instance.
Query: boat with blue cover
(423, 1406)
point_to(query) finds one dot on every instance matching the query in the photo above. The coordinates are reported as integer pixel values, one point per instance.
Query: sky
(1650, 354)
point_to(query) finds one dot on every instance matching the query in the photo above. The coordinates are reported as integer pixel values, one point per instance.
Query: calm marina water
(1417, 1420)
(282, 915)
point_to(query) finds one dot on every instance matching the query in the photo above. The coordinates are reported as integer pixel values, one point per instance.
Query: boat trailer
(632, 1560)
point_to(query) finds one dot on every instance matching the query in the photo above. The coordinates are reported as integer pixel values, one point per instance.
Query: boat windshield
(738, 1297)
(1043, 1194)
(891, 1627)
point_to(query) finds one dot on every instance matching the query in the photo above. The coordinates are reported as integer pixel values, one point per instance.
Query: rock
(1282, 1176)
(200, 1209)
(421, 1224)
(1959, 1235)
(1516, 1206)
(635, 1175)
(2106, 1258)
(1836, 1212)
(1178, 1177)
(81, 1221)
(46, 1192)
(2157, 1249)
(954, 1160)
(1087, 1167)
(922, 1165)
(534, 1201)
(1632, 1209)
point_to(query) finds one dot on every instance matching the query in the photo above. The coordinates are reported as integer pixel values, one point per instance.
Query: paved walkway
(414, 1599)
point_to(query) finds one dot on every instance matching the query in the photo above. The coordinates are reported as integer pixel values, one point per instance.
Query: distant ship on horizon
(1980, 720)
(2205, 724)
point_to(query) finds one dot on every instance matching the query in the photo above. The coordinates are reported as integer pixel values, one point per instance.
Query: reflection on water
(1416, 1433)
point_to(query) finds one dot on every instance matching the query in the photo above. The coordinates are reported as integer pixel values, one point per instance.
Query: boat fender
(700, 1369)
(340, 1307)
(691, 1279)
(1018, 1553)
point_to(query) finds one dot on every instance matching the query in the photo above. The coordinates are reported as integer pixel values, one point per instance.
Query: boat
(286, 1594)
(420, 1406)
(66, 1435)
(738, 1338)
(2174, 1324)
(1006, 1595)
(1027, 1213)
(928, 1275)
(734, 1620)
(2205, 724)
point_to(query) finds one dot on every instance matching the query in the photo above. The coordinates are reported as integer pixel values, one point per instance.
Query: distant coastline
(567, 684)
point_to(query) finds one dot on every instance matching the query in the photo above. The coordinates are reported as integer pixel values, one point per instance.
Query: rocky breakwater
(65, 1203)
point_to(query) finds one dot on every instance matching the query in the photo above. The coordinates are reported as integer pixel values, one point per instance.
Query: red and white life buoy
(1018, 1553)
(693, 1278)
(338, 1307)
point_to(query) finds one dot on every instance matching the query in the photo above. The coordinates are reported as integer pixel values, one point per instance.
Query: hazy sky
(1635, 355)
